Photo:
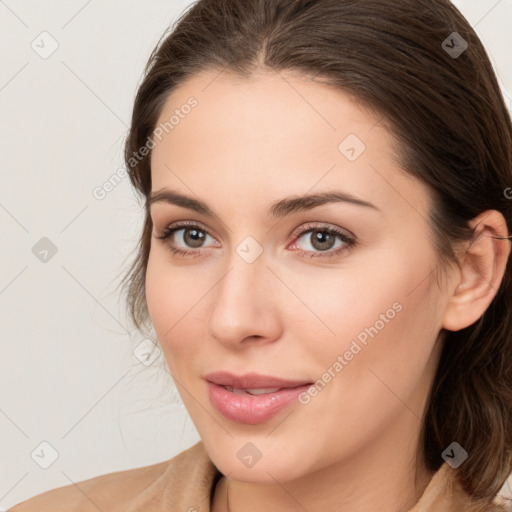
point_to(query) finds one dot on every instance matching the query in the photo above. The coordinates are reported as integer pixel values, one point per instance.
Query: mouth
(252, 398)
(255, 391)
(252, 381)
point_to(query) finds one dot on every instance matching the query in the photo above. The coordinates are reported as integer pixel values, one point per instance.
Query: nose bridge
(243, 304)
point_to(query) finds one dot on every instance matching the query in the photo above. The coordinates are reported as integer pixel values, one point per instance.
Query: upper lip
(252, 381)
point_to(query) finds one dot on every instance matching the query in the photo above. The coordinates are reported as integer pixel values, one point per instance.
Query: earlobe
(480, 273)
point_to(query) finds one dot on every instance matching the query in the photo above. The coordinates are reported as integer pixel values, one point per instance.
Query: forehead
(267, 109)
(275, 134)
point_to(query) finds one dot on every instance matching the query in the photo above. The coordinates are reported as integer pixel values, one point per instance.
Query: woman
(325, 261)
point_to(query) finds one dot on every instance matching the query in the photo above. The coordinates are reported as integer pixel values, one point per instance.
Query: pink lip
(252, 409)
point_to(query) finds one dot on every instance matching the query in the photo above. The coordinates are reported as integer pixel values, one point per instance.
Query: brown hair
(455, 135)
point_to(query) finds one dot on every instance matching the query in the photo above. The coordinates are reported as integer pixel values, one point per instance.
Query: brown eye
(322, 240)
(193, 237)
(185, 239)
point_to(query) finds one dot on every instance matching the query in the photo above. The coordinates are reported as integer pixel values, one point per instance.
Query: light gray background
(68, 373)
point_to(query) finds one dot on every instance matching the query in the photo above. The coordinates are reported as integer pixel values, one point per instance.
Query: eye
(324, 241)
(321, 241)
(191, 235)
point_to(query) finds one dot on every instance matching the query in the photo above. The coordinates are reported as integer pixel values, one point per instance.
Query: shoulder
(187, 478)
(445, 493)
(500, 504)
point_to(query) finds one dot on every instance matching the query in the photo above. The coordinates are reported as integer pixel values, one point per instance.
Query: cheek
(390, 362)
(383, 296)
(174, 298)
(385, 319)
(384, 377)
(157, 291)
(166, 298)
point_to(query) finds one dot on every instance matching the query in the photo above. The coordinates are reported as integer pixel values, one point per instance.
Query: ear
(481, 269)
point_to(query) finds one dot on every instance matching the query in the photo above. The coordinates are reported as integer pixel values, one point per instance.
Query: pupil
(322, 238)
(196, 237)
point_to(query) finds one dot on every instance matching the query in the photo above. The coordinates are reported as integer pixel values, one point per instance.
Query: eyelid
(308, 226)
(182, 224)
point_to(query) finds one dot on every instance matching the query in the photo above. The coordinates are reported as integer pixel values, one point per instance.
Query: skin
(249, 143)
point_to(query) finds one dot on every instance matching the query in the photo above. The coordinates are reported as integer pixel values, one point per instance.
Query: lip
(252, 380)
(252, 409)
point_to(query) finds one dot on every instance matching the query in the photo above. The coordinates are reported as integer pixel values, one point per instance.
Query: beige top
(186, 482)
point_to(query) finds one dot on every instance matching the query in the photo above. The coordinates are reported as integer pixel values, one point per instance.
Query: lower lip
(252, 409)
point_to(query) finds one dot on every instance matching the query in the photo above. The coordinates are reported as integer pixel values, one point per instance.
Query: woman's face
(271, 285)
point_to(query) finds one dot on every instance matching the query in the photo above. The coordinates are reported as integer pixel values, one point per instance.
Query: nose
(245, 307)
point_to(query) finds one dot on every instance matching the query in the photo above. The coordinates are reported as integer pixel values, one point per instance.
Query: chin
(257, 461)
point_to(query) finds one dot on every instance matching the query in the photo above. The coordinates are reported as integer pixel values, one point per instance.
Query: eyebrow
(278, 209)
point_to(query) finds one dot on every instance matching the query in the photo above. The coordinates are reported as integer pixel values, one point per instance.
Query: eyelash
(308, 228)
